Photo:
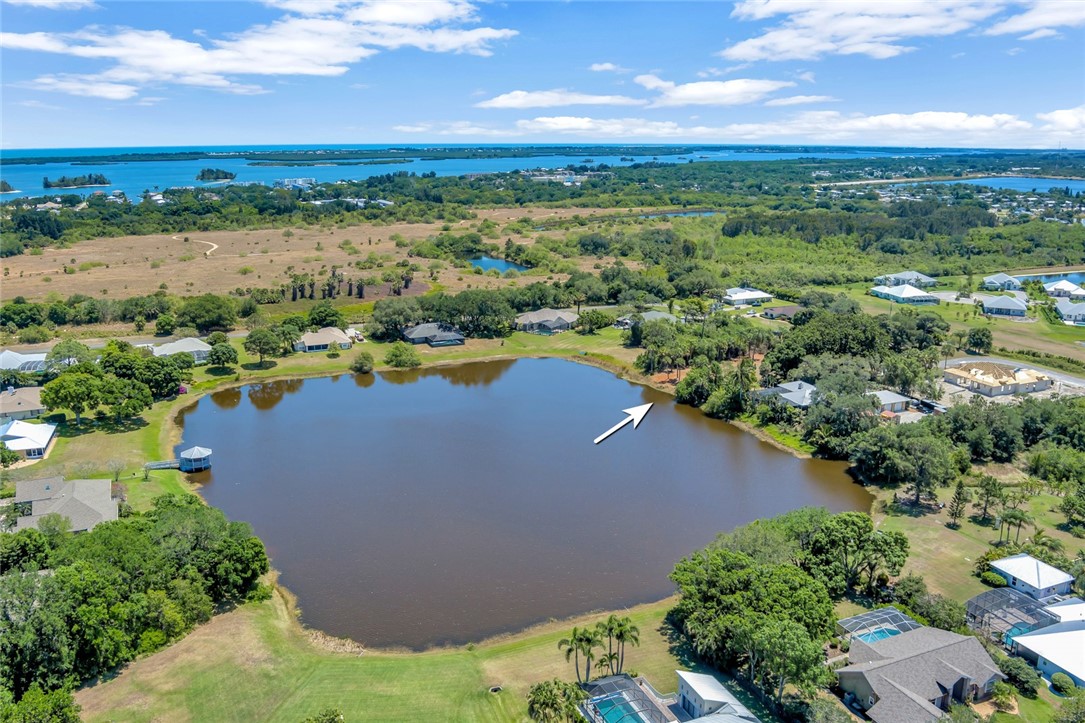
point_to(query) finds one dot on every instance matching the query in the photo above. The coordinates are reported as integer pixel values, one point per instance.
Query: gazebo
(195, 459)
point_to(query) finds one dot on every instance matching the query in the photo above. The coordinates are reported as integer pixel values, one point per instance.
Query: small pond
(486, 263)
(446, 505)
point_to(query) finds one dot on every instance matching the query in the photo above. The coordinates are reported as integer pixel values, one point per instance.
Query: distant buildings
(785, 313)
(196, 348)
(294, 184)
(890, 401)
(1071, 311)
(1065, 289)
(742, 295)
(994, 380)
(546, 321)
(625, 322)
(326, 339)
(434, 334)
(84, 503)
(1001, 282)
(1004, 306)
(911, 278)
(903, 294)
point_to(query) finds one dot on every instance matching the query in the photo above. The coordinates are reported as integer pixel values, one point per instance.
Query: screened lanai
(875, 625)
(618, 699)
(1003, 612)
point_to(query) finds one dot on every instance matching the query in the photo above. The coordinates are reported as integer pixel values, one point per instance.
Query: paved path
(1057, 376)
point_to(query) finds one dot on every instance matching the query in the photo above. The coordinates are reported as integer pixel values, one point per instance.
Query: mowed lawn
(255, 663)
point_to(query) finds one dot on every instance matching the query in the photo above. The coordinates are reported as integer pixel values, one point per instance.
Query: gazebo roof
(196, 453)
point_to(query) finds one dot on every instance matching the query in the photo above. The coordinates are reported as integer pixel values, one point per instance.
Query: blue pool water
(880, 634)
(618, 710)
(486, 263)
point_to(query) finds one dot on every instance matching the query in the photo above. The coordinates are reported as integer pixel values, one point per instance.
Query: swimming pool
(878, 634)
(616, 709)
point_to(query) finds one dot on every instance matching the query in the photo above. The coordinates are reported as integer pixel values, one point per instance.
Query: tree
(38, 706)
(67, 352)
(222, 355)
(991, 491)
(847, 545)
(324, 314)
(554, 701)
(328, 715)
(207, 313)
(625, 633)
(1072, 710)
(262, 343)
(402, 356)
(581, 643)
(8, 457)
(1020, 675)
(788, 655)
(594, 319)
(362, 363)
(980, 340)
(959, 504)
(126, 398)
(165, 324)
(74, 391)
(827, 710)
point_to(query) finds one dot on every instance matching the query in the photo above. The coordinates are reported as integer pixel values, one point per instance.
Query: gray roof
(999, 278)
(196, 453)
(22, 399)
(907, 276)
(546, 315)
(1004, 302)
(653, 316)
(84, 502)
(906, 671)
(434, 331)
(1067, 307)
(887, 397)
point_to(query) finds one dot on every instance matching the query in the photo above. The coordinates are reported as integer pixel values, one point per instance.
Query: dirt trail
(206, 253)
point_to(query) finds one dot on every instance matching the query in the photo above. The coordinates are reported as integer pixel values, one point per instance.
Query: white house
(1068, 610)
(745, 295)
(1004, 306)
(1036, 579)
(702, 695)
(1071, 311)
(1058, 648)
(890, 401)
(196, 348)
(1065, 289)
(795, 394)
(911, 278)
(1001, 282)
(16, 361)
(903, 294)
(29, 440)
(325, 339)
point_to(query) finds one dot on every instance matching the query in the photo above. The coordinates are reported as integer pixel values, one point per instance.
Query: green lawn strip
(1029, 710)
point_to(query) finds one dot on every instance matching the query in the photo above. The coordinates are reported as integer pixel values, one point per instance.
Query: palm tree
(581, 643)
(571, 646)
(625, 632)
(608, 628)
(546, 702)
(1013, 517)
(1041, 538)
(610, 660)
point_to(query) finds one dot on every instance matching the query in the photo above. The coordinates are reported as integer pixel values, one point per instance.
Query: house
(1070, 311)
(434, 334)
(916, 675)
(1036, 579)
(740, 295)
(1001, 282)
(994, 380)
(890, 401)
(1068, 610)
(625, 322)
(703, 697)
(83, 502)
(31, 441)
(1065, 289)
(909, 278)
(328, 338)
(15, 361)
(196, 348)
(782, 312)
(1004, 306)
(1057, 648)
(546, 321)
(794, 394)
(21, 403)
(903, 294)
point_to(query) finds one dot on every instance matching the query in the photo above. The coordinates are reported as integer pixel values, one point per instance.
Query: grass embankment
(270, 671)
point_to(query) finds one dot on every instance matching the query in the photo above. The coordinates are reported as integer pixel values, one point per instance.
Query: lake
(486, 263)
(1023, 184)
(441, 506)
(678, 214)
(137, 176)
(1076, 277)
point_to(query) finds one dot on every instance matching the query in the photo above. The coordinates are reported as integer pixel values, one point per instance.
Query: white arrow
(636, 414)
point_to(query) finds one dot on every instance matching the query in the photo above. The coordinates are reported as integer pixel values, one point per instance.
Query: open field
(220, 261)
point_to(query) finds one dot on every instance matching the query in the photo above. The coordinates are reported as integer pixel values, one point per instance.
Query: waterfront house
(31, 441)
(743, 295)
(1058, 648)
(794, 394)
(546, 321)
(903, 294)
(83, 502)
(1004, 306)
(995, 380)
(1071, 311)
(21, 403)
(916, 675)
(785, 313)
(890, 401)
(910, 278)
(434, 334)
(1033, 577)
(327, 339)
(703, 697)
(1001, 282)
(1065, 289)
(625, 322)
(196, 348)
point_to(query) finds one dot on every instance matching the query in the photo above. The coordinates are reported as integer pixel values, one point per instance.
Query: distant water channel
(446, 505)
(1024, 184)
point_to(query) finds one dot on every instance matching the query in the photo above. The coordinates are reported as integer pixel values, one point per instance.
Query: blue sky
(993, 73)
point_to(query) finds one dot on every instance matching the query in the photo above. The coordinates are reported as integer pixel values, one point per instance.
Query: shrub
(403, 356)
(362, 363)
(1062, 684)
(993, 579)
(1003, 696)
(1020, 675)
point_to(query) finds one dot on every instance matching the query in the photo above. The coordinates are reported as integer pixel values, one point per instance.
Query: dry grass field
(220, 261)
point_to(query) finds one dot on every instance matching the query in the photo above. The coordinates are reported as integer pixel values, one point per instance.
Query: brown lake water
(445, 505)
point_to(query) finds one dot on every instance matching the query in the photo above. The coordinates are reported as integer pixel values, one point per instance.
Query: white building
(702, 695)
(1068, 610)
(1058, 648)
(29, 440)
(1001, 282)
(903, 294)
(326, 339)
(1070, 311)
(911, 278)
(196, 348)
(1065, 289)
(744, 295)
(1036, 579)
(16, 361)
(1004, 306)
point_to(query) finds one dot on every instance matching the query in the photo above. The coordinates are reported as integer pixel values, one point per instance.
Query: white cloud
(1015, 51)
(1042, 15)
(54, 4)
(801, 99)
(717, 72)
(710, 92)
(313, 39)
(38, 104)
(607, 68)
(85, 86)
(807, 76)
(453, 128)
(554, 98)
(1070, 121)
(1041, 33)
